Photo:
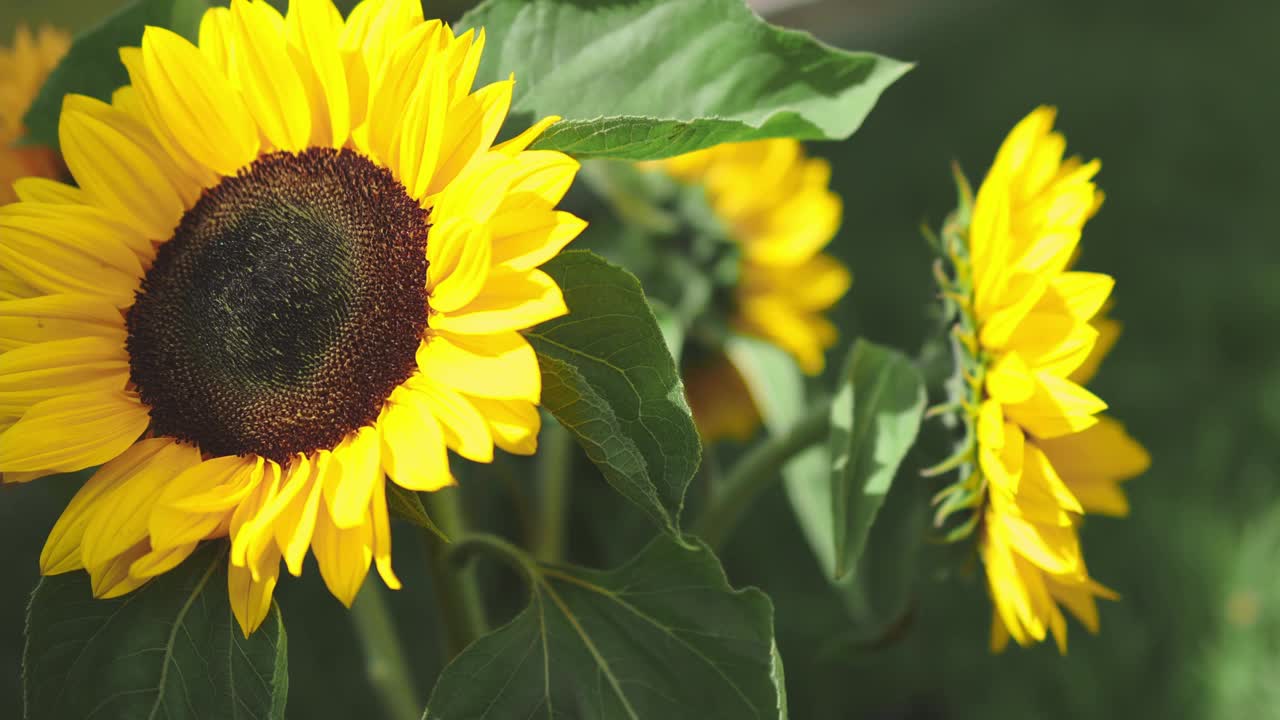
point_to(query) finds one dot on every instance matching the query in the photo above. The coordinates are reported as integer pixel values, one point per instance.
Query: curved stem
(555, 457)
(760, 467)
(384, 660)
(457, 593)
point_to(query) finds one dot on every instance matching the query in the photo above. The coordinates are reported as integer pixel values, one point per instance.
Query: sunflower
(295, 263)
(1030, 332)
(775, 203)
(23, 69)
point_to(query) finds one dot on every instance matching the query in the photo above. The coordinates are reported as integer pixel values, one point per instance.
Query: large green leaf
(92, 66)
(170, 650)
(608, 377)
(663, 636)
(644, 79)
(875, 417)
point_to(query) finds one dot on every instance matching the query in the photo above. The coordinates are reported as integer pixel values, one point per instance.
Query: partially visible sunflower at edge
(23, 69)
(775, 203)
(1031, 331)
(295, 263)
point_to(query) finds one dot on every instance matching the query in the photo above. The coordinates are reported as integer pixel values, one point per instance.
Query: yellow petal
(294, 525)
(73, 432)
(116, 164)
(510, 300)
(343, 555)
(522, 141)
(540, 178)
(459, 255)
(197, 102)
(158, 562)
(413, 449)
(313, 28)
(1058, 407)
(85, 225)
(1009, 380)
(513, 423)
(67, 255)
(267, 79)
(122, 518)
(172, 525)
(359, 470)
(382, 536)
(46, 190)
(410, 64)
(58, 317)
(1079, 294)
(1054, 549)
(1007, 311)
(61, 551)
(35, 373)
(502, 365)
(250, 597)
(525, 238)
(474, 122)
(112, 579)
(465, 430)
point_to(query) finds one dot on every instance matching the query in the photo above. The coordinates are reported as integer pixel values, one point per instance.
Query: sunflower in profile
(23, 69)
(776, 205)
(294, 263)
(1029, 333)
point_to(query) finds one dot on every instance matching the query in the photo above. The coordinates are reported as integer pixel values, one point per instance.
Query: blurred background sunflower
(1169, 96)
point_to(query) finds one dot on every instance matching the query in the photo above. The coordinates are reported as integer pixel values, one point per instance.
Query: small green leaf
(777, 388)
(92, 66)
(663, 636)
(875, 417)
(645, 79)
(407, 505)
(171, 649)
(609, 379)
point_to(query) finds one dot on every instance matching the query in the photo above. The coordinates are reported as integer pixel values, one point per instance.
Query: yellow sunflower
(776, 203)
(23, 69)
(1029, 335)
(295, 263)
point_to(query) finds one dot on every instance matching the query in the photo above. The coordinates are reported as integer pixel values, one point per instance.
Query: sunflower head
(774, 208)
(294, 263)
(23, 69)
(1035, 454)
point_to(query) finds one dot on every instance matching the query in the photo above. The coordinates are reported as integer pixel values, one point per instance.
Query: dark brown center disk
(286, 308)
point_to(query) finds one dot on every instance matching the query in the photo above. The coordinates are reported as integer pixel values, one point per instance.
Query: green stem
(457, 593)
(554, 459)
(757, 470)
(384, 659)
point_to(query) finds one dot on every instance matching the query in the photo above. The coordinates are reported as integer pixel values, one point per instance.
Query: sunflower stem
(456, 589)
(759, 468)
(555, 458)
(384, 660)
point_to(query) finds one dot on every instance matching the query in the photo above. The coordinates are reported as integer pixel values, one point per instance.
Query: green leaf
(875, 417)
(92, 66)
(645, 79)
(663, 636)
(407, 505)
(171, 649)
(609, 379)
(778, 389)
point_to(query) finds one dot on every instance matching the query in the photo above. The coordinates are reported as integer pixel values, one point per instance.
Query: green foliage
(644, 79)
(92, 67)
(663, 636)
(407, 505)
(875, 417)
(608, 378)
(171, 649)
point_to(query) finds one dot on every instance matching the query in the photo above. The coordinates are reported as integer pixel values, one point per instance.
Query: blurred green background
(1178, 101)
